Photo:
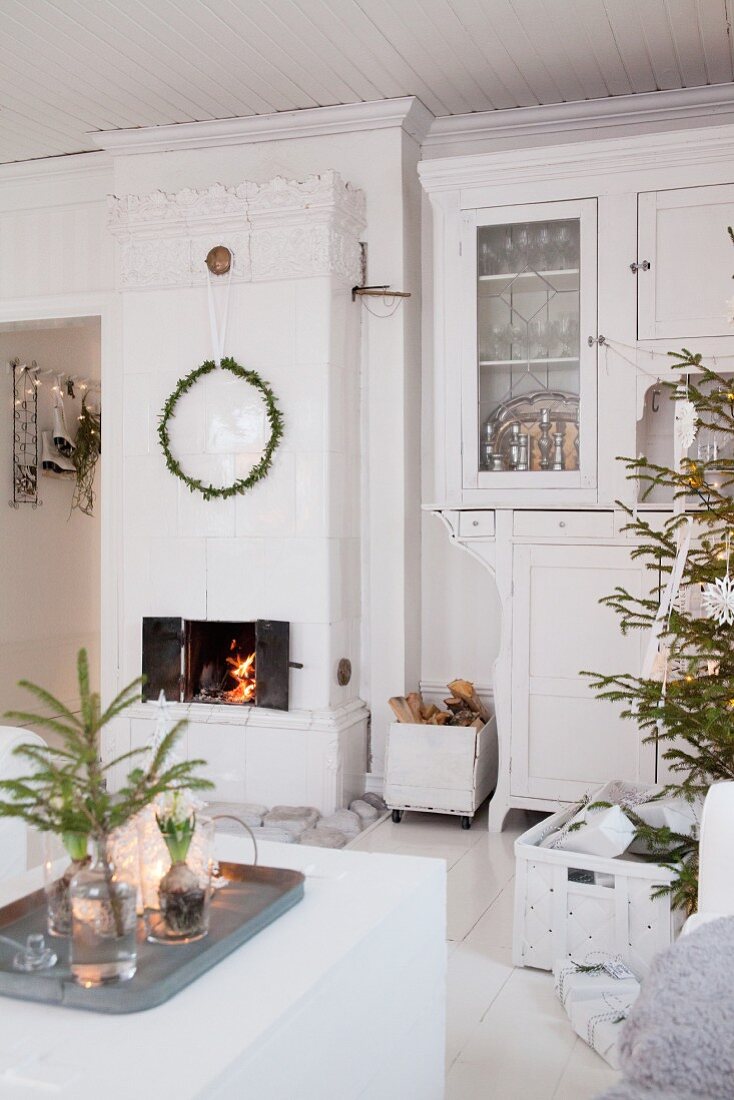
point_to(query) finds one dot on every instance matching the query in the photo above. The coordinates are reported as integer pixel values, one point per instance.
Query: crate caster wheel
(466, 823)
(397, 816)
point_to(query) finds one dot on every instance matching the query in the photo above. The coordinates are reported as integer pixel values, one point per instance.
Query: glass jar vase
(177, 893)
(72, 848)
(103, 922)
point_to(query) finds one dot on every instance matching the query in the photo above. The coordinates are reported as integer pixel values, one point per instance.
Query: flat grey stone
(323, 838)
(296, 819)
(367, 813)
(251, 813)
(375, 800)
(345, 821)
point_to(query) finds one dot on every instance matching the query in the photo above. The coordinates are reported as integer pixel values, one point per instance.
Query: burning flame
(242, 671)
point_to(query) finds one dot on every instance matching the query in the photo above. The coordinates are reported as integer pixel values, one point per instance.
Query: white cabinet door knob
(562, 523)
(475, 523)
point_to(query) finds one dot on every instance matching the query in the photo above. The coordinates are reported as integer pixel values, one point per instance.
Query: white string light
(61, 379)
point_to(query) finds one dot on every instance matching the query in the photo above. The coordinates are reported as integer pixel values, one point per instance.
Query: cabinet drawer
(476, 525)
(546, 525)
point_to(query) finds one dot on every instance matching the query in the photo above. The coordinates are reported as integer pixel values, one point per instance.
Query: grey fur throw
(678, 1042)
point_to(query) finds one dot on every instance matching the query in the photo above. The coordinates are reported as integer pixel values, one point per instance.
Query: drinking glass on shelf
(564, 246)
(521, 244)
(507, 253)
(540, 249)
(495, 342)
(518, 339)
(567, 331)
(539, 333)
(486, 257)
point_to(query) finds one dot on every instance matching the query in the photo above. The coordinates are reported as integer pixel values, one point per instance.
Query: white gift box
(599, 1022)
(604, 832)
(673, 813)
(573, 985)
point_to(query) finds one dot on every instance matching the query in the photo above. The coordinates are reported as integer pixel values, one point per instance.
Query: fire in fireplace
(230, 663)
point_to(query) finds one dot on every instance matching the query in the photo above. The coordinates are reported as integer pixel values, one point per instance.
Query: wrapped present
(606, 832)
(599, 973)
(599, 1022)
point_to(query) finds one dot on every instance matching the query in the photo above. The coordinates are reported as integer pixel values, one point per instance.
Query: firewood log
(399, 706)
(415, 703)
(440, 719)
(428, 710)
(464, 689)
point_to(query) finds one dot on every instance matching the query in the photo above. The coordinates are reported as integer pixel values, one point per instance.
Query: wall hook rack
(378, 292)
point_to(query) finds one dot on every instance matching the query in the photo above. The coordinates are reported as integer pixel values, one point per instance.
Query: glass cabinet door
(536, 384)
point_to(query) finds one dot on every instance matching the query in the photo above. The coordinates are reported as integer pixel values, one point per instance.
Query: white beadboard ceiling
(69, 67)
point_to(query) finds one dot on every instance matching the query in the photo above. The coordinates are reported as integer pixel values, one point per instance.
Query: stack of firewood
(463, 708)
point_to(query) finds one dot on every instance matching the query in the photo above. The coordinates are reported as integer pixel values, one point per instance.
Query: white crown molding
(678, 104)
(56, 181)
(408, 113)
(71, 166)
(611, 155)
(275, 230)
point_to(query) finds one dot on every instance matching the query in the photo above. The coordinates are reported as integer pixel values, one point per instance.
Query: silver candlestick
(514, 445)
(522, 451)
(545, 443)
(558, 461)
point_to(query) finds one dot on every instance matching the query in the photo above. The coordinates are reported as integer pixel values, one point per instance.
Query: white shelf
(507, 275)
(527, 362)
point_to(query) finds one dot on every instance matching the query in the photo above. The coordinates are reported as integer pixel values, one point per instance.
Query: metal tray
(253, 898)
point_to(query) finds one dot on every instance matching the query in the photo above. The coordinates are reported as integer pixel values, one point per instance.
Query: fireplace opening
(220, 663)
(217, 662)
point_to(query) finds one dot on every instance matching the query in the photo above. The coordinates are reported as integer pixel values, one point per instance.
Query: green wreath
(275, 418)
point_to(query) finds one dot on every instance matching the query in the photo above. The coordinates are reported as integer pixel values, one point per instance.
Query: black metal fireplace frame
(168, 648)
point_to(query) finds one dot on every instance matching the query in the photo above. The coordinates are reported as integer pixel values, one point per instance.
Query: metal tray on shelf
(253, 898)
(525, 409)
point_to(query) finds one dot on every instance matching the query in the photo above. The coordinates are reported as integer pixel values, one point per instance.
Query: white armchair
(14, 834)
(716, 857)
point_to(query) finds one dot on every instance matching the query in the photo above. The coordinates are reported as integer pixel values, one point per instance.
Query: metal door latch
(643, 265)
(600, 340)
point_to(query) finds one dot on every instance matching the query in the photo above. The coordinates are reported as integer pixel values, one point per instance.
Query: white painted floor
(507, 1036)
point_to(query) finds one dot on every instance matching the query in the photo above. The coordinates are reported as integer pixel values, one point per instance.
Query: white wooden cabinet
(564, 741)
(683, 237)
(552, 538)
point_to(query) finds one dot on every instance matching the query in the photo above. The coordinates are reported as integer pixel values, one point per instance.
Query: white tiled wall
(289, 548)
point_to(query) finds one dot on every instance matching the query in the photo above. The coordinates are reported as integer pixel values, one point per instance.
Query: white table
(342, 998)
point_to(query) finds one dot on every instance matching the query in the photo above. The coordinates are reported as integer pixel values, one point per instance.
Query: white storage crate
(443, 769)
(557, 917)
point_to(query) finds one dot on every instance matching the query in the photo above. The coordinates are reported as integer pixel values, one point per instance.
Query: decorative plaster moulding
(645, 108)
(407, 112)
(276, 230)
(614, 155)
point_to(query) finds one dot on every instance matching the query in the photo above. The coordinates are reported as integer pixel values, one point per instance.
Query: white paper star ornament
(718, 600)
(685, 423)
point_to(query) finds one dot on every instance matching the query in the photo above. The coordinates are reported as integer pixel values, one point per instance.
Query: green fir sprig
(67, 788)
(260, 469)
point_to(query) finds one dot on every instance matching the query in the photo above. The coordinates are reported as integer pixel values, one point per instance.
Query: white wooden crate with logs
(435, 767)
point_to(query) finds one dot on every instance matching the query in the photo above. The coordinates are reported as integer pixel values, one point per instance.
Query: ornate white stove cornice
(276, 230)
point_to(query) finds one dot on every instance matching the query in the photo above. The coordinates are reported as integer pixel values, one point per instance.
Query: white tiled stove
(290, 548)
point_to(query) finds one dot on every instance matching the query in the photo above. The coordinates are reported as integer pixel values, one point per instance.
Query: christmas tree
(685, 700)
